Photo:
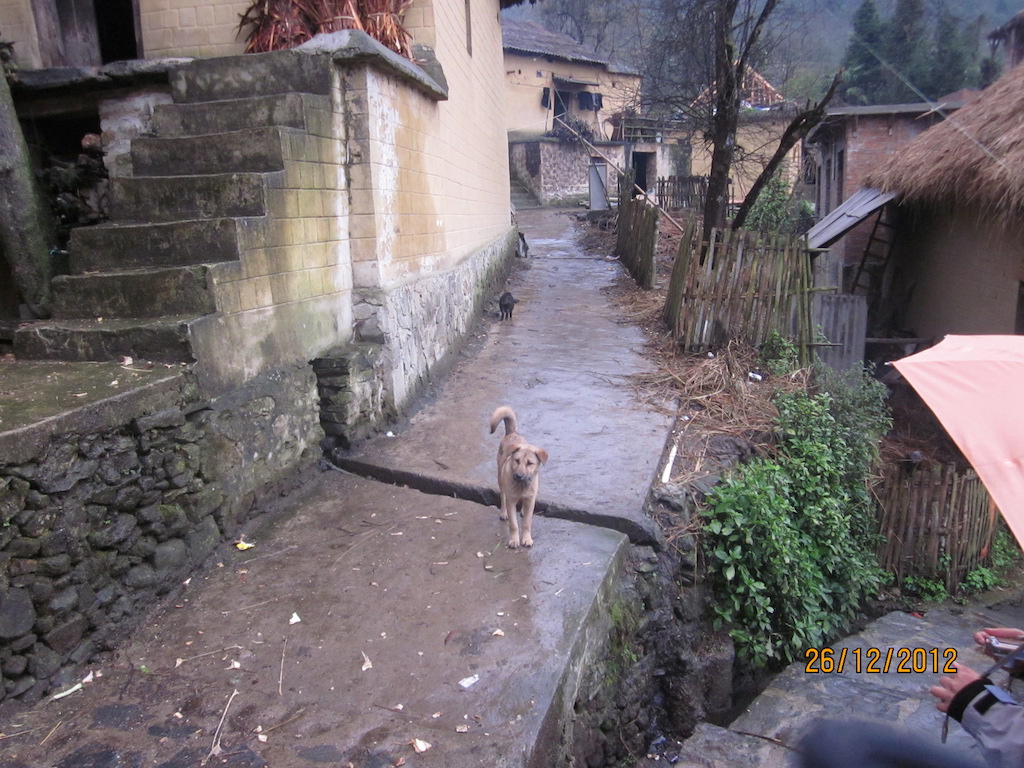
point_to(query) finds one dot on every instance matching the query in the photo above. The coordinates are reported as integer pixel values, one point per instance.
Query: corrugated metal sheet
(842, 320)
(852, 212)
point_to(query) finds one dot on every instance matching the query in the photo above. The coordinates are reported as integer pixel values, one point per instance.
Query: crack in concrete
(489, 497)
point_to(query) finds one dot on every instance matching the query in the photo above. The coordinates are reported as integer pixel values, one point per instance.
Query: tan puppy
(518, 469)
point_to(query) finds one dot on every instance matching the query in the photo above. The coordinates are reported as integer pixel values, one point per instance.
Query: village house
(764, 116)
(297, 239)
(957, 264)
(1011, 37)
(551, 80)
(400, 191)
(850, 142)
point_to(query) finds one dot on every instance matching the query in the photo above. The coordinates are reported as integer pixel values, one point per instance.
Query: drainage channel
(488, 497)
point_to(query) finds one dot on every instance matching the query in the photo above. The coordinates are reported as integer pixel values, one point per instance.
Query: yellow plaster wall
(195, 28)
(526, 78)
(435, 186)
(756, 142)
(301, 252)
(18, 26)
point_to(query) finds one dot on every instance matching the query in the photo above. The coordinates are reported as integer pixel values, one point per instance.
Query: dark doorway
(643, 169)
(562, 100)
(115, 23)
(82, 33)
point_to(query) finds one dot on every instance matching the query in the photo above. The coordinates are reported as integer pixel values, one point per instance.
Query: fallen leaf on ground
(421, 746)
(462, 729)
(497, 633)
(294, 619)
(367, 664)
(243, 545)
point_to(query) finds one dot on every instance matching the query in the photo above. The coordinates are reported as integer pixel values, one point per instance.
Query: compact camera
(998, 649)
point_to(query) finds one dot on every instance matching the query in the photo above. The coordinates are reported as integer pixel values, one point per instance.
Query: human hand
(1000, 633)
(949, 685)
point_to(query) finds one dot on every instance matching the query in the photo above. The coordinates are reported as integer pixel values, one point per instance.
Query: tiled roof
(531, 38)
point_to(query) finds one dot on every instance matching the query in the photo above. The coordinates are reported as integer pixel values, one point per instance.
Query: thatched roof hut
(975, 159)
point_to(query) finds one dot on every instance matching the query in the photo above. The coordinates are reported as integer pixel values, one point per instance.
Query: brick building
(852, 141)
(958, 261)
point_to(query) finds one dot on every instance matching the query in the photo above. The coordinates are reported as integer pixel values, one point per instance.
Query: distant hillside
(828, 21)
(812, 35)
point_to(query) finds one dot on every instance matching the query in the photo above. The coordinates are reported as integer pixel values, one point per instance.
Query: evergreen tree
(922, 52)
(955, 63)
(906, 51)
(861, 67)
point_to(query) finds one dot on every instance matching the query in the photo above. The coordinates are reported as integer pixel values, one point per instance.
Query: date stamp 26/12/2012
(880, 660)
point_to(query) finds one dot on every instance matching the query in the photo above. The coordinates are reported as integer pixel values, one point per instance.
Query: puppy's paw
(513, 542)
(502, 515)
(527, 540)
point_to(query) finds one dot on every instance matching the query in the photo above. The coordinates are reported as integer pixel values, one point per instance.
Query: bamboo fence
(935, 523)
(739, 286)
(637, 234)
(681, 192)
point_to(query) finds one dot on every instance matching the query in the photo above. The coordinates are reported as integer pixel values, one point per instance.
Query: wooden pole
(621, 172)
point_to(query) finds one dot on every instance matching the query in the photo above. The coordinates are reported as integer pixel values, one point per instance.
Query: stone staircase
(138, 283)
(522, 198)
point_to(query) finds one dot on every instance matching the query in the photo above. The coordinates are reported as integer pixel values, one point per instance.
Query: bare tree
(737, 26)
(22, 240)
(798, 128)
(697, 72)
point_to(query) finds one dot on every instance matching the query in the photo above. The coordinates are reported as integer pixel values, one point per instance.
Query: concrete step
(254, 150)
(260, 74)
(522, 198)
(134, 246)
(162, 341)
(142, 293)
(289, 110)
(164, 198)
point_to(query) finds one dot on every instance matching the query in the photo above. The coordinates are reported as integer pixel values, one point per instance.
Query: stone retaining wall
(100, 523)
(558, 173)
(421, 322)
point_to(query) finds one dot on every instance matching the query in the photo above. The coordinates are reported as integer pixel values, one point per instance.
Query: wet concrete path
(375, 625)
(562, 363)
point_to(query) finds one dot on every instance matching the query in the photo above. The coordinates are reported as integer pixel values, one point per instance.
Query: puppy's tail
(506, 414)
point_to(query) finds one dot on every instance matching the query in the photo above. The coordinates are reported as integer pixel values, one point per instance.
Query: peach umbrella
(975, 386)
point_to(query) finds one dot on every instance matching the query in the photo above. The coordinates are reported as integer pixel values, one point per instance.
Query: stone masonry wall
(555, 172)
(99, 524)
(422, 322)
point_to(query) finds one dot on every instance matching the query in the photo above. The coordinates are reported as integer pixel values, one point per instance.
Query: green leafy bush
(980, 579)
(1005, 549)
(929, 590)
(779, 355)
(790, 539)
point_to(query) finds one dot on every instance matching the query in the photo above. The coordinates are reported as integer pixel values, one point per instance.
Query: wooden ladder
(876, 253)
